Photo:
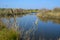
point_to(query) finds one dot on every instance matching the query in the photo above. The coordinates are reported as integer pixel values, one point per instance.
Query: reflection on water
(50, 19)
(32, 28)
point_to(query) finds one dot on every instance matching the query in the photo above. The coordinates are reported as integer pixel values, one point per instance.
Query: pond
(34, 28)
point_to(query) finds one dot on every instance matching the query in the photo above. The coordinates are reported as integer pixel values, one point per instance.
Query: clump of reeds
(7, 34)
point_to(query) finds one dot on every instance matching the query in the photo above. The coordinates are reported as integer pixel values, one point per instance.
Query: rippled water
(35, 28)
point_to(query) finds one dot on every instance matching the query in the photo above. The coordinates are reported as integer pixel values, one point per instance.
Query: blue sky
(27, 4)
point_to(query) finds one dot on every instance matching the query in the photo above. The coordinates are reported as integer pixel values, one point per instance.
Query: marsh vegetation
(11, 11)
(7, 34)
(55, 13)
(20, 24)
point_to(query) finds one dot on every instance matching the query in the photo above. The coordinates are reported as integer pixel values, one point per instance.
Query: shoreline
(49, 15)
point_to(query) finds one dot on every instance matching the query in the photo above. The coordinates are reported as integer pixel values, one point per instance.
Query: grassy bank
(55, 13)
(49, 15)
(7, 34)
(11, 11)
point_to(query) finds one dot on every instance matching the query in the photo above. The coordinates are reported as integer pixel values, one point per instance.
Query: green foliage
(10, 11)
(7, 34)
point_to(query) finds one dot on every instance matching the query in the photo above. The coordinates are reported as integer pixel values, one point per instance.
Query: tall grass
(7, 34)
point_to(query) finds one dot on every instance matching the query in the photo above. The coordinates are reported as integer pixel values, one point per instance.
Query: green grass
(8, 34)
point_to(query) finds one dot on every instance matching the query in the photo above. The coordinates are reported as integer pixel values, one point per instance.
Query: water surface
(34, 27)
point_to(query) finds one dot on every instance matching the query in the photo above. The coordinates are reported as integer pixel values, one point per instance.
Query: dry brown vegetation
(55, 13)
